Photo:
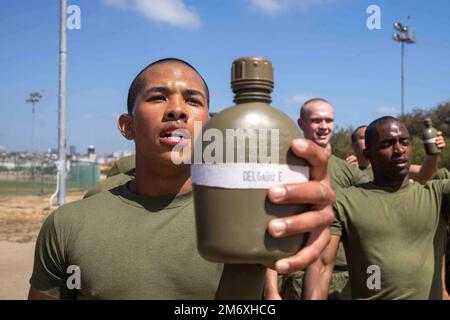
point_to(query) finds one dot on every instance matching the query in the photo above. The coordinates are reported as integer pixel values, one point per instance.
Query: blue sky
(318, 48)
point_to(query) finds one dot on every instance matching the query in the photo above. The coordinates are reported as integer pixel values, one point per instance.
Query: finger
(317, 242)
(301, 223)
(316, 156)
(311, 192)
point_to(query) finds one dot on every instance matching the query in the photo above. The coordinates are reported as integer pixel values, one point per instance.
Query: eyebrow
(194, 92)
(166, 90)
(390, 138)
(320, 117)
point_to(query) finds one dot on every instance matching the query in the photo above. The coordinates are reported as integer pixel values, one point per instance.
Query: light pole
(62, 106)
(406, 35)
(34, 98)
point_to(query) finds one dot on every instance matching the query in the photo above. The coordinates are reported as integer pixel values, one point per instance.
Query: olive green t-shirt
(403, 233)
(123, 165)
(110, 183)
(342, 175)
(441, 174)
(368, 172)
(127, 247)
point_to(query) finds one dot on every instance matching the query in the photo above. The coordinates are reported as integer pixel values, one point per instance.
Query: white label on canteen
(432, 140)
(247, 175)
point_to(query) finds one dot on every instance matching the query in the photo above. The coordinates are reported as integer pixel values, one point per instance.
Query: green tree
(341, 142)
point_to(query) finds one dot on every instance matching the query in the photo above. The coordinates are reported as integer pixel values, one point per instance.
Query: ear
(300, 123)
(366, 154)
(126, 126)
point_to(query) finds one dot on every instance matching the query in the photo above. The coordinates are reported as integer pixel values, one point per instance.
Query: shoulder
(123, 165)
(77, 213)
(109, 183)
(442, 173)
(440, 185)
(344, 175)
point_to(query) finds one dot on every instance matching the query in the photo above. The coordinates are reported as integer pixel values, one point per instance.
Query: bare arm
(430, 165)
(271, 286)
(34, 294)
(318, 275)
(445, 295)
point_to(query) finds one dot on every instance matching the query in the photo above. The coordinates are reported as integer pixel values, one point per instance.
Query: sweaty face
(318, 123)
(359, 145)
(172, 97)
(390, 152)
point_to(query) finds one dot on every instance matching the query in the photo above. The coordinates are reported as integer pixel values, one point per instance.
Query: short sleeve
(49, 270)
(336, 226)
(446, 198)
(358, 177)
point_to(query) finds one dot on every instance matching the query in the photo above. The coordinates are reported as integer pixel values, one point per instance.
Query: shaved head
(308, 104)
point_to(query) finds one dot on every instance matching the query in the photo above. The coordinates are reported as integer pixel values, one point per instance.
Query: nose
(175, 112)
(398, 148)
(323, 124)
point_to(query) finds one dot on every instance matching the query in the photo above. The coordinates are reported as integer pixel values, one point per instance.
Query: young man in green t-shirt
(393, 230)
(137, 240)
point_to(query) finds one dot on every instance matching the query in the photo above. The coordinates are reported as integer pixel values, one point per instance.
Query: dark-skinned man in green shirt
(393, 230)
(137, 241)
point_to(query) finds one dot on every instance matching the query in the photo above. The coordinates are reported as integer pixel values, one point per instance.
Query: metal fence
(23, 178)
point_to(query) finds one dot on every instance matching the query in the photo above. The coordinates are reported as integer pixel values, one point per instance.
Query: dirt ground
(20, 220)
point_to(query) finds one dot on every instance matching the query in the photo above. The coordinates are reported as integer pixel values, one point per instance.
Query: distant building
(73, 150)
(91, 153)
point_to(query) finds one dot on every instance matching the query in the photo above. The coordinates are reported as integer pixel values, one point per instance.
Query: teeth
(173, 135)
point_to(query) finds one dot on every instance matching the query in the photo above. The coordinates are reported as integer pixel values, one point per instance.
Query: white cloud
(277, 6)
(297, 99)
(121, 4)
(267, 6)
(386, 110)
(174, 12)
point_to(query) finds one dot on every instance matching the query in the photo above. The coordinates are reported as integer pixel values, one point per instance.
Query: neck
(390, 182)
(156, 179)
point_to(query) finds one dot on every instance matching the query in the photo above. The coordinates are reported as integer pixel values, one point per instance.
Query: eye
(158, 98)
(405, 142)
(194, 102)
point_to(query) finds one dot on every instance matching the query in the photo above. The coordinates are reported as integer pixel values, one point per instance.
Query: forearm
(445, 294)
(271, 285)
(426, 171)
(316, 281)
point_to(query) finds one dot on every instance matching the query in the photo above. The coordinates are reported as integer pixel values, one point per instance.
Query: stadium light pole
(406, 34)
(34, 98)
(62, 106)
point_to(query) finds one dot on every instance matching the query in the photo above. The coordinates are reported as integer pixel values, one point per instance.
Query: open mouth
(173, 136)
(400, 163)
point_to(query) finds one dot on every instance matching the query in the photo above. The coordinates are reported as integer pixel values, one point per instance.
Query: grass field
(12, 187)
(21, 217)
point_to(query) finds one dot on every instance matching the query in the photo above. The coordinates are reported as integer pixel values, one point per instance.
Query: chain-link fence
(23, 176)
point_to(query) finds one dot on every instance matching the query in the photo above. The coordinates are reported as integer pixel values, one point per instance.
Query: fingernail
(282, 266)
(278, 226)
(278, 193)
